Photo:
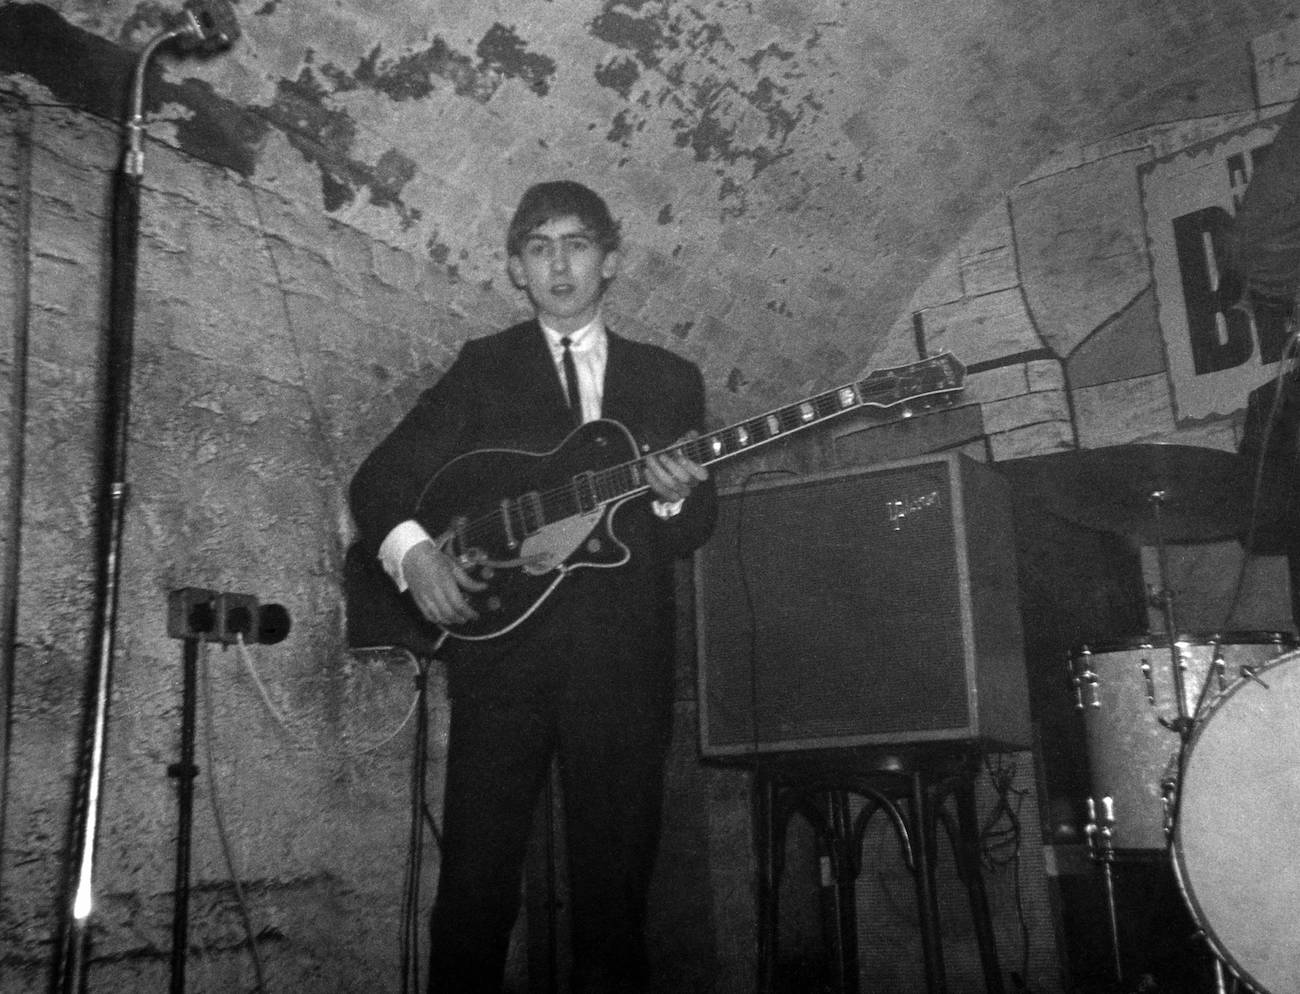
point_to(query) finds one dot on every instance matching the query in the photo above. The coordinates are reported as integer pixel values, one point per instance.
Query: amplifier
(862, 607)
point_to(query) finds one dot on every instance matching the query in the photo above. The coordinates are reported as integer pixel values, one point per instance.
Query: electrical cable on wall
(223, 836)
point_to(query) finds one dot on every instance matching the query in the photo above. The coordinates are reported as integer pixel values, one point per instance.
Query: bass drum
(1236, 827)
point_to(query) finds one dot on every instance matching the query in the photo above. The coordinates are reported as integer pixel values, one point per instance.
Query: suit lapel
(540, 374)
(618, 380)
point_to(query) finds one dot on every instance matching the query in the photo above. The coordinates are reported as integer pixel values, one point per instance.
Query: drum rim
(1160, 640)
(1175, 847)
(1202, 919)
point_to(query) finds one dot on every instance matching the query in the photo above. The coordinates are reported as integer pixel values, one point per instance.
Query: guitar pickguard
(554, 543)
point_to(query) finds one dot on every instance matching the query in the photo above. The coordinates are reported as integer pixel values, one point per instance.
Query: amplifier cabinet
(862, 607)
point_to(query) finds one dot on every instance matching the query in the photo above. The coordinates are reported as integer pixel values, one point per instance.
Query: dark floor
(1161, 948)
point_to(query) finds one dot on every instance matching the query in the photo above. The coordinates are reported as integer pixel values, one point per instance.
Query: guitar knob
(494, 603)
(593, 545)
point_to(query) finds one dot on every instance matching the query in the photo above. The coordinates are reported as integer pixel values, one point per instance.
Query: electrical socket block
(212, 616)
(219, 616)
(192, 614)
(237, 617)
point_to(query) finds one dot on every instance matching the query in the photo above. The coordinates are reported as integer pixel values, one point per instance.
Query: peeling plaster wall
(790, 172)
(810, 190)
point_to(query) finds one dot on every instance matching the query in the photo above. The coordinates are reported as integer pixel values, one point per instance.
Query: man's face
(563, 270)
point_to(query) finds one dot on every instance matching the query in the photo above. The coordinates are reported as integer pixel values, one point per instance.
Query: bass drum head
(1237, 826)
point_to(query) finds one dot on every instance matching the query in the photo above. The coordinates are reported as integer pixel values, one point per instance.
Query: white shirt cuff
(666, 509)
(396, 544)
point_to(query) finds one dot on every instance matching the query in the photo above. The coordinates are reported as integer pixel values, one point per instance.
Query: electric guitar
(521, 521)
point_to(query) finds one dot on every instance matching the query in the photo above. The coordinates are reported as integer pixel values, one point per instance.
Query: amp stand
(913, 790)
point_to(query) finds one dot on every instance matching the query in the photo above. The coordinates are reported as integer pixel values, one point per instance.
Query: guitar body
(505, 541)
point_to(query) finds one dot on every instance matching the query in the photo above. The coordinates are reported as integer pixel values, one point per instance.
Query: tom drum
(1127, 693)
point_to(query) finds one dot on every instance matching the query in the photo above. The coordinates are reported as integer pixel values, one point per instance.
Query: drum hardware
(1248, 673)
(1098, 833)
(1148, 758)
(1137, 739)
(1080, 680)
(1151, 684)
(1169, 796)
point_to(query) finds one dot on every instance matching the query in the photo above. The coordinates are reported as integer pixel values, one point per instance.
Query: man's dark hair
(561, 198)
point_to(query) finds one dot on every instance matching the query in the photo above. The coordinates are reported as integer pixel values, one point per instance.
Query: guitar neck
(936, 376)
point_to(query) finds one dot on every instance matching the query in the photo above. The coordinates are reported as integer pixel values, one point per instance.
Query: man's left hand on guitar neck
(672, 476)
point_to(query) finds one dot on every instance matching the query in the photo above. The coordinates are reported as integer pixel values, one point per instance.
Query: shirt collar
(586, 337)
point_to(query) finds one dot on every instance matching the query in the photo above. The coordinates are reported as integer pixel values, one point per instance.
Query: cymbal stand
(1183, 723)
(1165, 599)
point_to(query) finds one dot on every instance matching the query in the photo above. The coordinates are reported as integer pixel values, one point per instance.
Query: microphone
(207, 27)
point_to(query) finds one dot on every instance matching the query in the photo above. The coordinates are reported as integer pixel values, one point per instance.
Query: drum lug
(1168, 790)
(1084, 677)
(1147, 679)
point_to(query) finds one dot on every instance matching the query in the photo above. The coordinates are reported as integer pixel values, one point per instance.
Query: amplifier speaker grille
(862, 607)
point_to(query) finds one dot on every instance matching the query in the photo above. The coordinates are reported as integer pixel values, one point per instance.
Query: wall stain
(502, 51)
(324, 137)
(739, 112)
(619, 75)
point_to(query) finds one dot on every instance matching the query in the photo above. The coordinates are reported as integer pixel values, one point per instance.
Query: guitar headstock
(936, 378)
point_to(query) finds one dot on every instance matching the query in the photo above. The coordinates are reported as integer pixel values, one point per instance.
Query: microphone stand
(209, 28)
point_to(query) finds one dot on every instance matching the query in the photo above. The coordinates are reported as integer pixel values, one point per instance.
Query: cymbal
(1151, 491)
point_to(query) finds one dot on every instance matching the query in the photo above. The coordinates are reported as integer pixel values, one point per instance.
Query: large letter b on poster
(1220, 338)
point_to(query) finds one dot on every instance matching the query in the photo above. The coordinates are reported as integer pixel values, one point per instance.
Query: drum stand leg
(1099, 845)
(1108, 878)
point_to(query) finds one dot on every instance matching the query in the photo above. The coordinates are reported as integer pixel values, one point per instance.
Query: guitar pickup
(531, 514)
(506, 507)
(584, 491)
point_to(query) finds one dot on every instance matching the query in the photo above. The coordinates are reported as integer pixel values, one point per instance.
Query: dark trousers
(603, 705)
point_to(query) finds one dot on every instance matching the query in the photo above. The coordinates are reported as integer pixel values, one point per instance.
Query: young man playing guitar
(560, 623)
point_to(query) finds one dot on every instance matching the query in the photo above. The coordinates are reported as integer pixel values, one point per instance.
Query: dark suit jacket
(503, 392)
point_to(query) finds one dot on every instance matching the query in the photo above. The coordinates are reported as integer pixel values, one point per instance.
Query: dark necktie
(571, 381)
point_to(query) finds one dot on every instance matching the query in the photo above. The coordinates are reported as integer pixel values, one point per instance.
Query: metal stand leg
(927, 897)
(1112, 918)
(967, 847)
(183, 772)
(838, 845)
(769, 879)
